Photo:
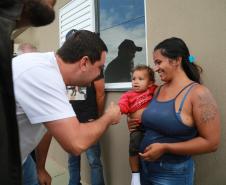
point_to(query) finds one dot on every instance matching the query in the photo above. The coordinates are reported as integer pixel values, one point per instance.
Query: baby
(133, 104)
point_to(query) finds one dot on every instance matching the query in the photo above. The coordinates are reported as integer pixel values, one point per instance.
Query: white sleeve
(41, 93)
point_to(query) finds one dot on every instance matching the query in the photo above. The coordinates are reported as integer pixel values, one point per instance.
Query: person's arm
(100, 95)
(133, 124)
(41, 152)
(207, 121)
(75, 137)
(51, 107)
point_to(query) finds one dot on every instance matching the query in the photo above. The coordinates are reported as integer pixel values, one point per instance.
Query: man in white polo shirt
(40, 81)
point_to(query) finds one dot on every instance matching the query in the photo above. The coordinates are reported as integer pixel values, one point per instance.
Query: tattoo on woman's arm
(207, 108)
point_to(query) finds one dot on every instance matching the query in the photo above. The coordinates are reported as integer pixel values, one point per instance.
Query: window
(122, 27)
(121, 24)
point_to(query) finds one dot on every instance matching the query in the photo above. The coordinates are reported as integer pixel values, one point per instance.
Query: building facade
(200, 23)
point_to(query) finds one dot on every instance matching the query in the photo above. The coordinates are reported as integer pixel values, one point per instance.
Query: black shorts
(135, 140)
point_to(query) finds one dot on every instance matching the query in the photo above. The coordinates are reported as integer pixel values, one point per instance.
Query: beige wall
(201, 24)
(44, 38)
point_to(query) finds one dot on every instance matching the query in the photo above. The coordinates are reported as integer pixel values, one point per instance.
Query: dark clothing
(86, 109)
(163, 125)
(11, 9)
(9, 146)
(119, 70)
(33, 155)
(134, 142)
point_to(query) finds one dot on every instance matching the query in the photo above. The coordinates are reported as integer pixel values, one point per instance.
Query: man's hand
(114, 112)
(43, 177)
(41, 152)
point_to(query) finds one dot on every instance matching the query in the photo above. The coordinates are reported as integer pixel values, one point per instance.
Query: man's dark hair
(149, 70)
(82, 43)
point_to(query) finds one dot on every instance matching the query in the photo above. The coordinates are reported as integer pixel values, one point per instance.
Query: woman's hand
(153, 151)
(133, 124)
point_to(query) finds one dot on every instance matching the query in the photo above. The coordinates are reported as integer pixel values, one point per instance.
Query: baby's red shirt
(132, 101)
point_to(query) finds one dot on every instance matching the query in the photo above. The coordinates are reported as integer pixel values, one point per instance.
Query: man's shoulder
(39, 56)
(27, 61)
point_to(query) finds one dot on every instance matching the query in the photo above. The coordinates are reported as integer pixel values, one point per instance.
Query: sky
(123, 19)
(122, 10)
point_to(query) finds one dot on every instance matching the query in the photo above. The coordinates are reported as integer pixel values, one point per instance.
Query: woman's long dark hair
(175, 47)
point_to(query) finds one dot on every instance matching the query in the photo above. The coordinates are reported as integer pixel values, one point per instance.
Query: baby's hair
(142, 67)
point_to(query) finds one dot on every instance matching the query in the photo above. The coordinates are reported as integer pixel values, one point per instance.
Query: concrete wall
(201, 24)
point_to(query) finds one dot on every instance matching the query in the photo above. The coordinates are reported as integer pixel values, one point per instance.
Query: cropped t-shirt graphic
(76, 93)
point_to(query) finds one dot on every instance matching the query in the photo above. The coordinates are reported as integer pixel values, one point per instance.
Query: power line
(131, 20)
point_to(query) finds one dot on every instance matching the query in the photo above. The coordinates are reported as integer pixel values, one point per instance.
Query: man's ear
(83, 63)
